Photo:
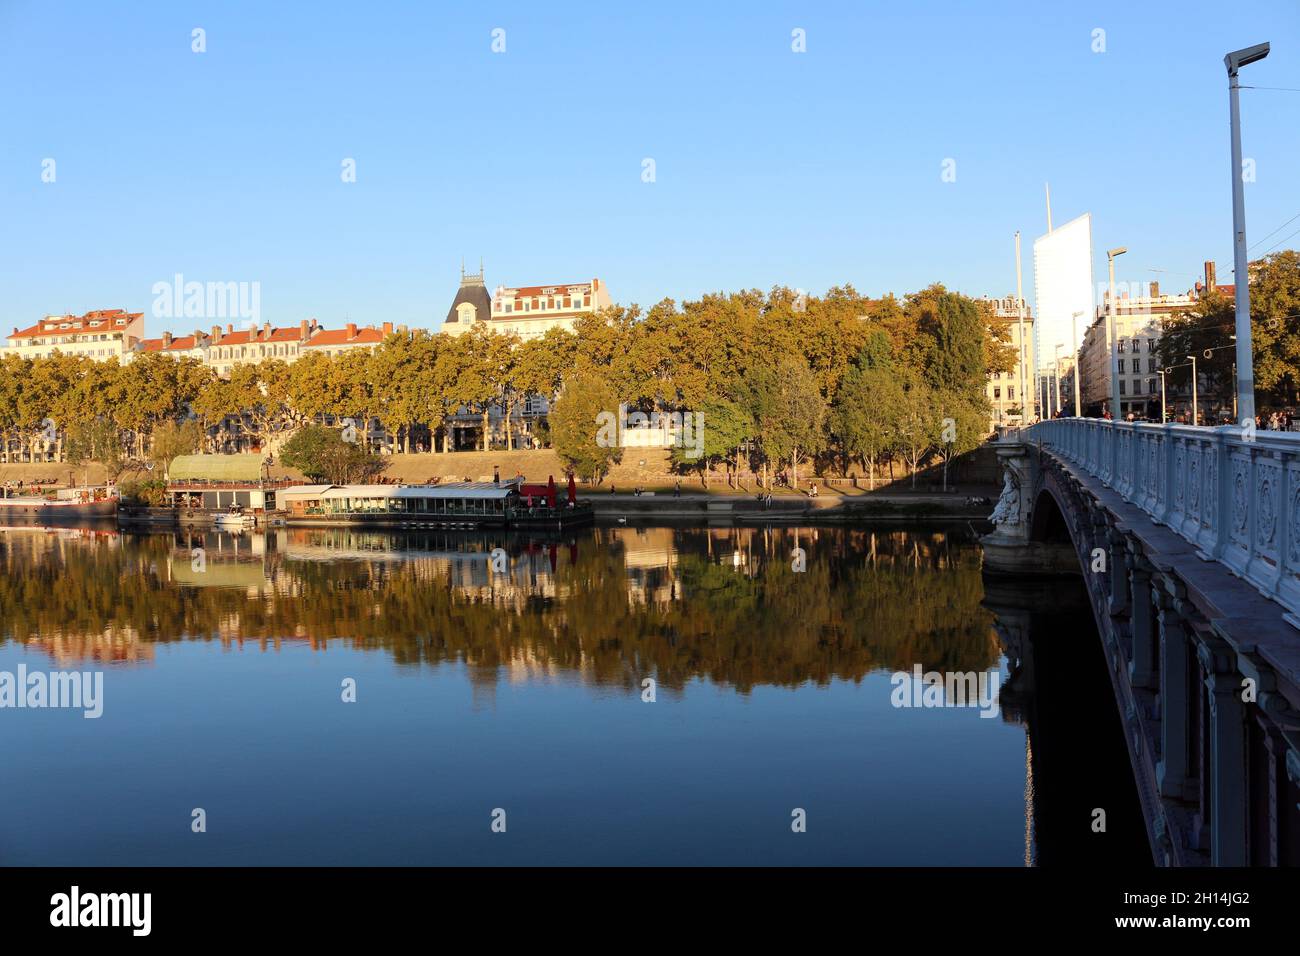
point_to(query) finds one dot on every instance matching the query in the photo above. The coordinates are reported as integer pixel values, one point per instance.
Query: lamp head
(1112, 253)
(1239, 58)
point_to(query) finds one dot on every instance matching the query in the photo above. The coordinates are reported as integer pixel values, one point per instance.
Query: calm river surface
(226, 660)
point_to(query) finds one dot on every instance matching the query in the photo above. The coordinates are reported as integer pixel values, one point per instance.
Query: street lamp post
(1078, 352)
(1056, 374)
(1163, 416)
(1020, 322)
(1112, 333)
(1195, 418)
(1245, 375)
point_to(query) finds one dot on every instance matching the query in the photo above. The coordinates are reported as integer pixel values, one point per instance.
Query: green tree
(915, 420)
(962, 426)
(951, 340)
(321, 454)
(789, 411)
(580, 423)
(171, 439)
(865, 416)
(1275, 324)
(98, 440)
(727, 425)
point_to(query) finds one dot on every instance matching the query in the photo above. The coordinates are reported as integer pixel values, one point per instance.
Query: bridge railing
(1234, 495)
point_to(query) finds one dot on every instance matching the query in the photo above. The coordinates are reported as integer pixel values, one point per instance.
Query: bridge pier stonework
(1195, 591)
(1010, 548)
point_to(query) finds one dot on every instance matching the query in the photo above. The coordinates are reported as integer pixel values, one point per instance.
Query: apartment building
(1004, 389)
(100, 335)
(333, 342)
(1139, 323)
(528, 311)
(223, 349)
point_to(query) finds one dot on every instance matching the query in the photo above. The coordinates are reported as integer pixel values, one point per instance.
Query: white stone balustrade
(1234, 495)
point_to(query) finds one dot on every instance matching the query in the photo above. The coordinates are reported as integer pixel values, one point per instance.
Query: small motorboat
(232, 519)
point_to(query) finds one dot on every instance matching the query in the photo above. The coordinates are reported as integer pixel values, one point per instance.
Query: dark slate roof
(473, 291)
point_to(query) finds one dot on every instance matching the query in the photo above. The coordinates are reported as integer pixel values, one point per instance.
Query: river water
(657, 695)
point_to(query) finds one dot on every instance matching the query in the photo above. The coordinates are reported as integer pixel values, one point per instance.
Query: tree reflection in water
(607, 605)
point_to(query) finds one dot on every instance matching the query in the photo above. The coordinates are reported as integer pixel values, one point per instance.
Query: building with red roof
(101, 335)
(528, 311)
(223, 349)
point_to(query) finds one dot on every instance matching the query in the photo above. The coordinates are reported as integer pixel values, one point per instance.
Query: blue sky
(772, 167)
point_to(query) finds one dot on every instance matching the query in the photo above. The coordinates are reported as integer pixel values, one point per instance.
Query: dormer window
(465, 312)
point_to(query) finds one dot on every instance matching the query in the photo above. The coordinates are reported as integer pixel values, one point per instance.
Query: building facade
(1004, 389)
(222, 350)
(100, 335)
(528, 311)
(1139, 323)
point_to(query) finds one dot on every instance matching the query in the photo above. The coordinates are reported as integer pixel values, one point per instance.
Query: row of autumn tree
(782, 381)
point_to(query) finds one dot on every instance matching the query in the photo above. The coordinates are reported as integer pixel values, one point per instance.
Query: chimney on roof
(352, 331)
(167, 339)
(388, 328)
(230, 328)
(313, 323)
(1155, 290)
(216, 333)
(302, 330)
(266, 330)
(1209, 275)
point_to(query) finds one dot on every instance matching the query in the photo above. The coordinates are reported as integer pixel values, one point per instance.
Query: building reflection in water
(603, 606)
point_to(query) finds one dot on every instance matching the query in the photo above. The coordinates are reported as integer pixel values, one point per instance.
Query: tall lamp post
(1195, 418)
(1020, 321)
(1078, 353)
(1245, 359)
(1112, 334)
(1056, 374)
(1163, 416)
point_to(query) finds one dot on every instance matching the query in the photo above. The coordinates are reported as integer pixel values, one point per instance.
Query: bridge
(1188, 543)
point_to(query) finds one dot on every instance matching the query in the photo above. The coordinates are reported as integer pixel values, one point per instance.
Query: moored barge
(461, 504)
(31, 509)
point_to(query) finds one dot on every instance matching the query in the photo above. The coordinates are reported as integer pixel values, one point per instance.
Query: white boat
(233, 519)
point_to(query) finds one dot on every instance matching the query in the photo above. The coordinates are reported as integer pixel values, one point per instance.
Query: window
(997, 393)
(1137, 365)
(1120, 346)
(1011, 393)
(1151, 365)
(1151, 386)
(1121, 387)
